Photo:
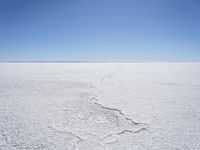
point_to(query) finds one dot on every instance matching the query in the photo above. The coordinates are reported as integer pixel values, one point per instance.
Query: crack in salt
(107, 77)
(119, 111)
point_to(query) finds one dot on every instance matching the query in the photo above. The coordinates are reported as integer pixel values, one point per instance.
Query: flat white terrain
(100, 106)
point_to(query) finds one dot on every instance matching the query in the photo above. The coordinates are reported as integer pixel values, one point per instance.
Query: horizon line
(74, 61)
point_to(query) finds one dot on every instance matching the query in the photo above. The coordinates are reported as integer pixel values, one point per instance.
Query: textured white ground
(100, 106)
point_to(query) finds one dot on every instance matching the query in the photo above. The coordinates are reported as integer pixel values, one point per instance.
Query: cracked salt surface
(80, 106)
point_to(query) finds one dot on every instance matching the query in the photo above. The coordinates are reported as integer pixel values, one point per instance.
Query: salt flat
(100, 106)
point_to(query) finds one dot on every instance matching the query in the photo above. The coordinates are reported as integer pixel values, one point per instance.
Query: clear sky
(113, 30)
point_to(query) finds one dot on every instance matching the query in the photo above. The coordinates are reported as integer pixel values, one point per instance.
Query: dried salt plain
(99, 106)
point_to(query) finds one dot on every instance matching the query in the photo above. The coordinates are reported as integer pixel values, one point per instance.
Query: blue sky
(94, 30)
